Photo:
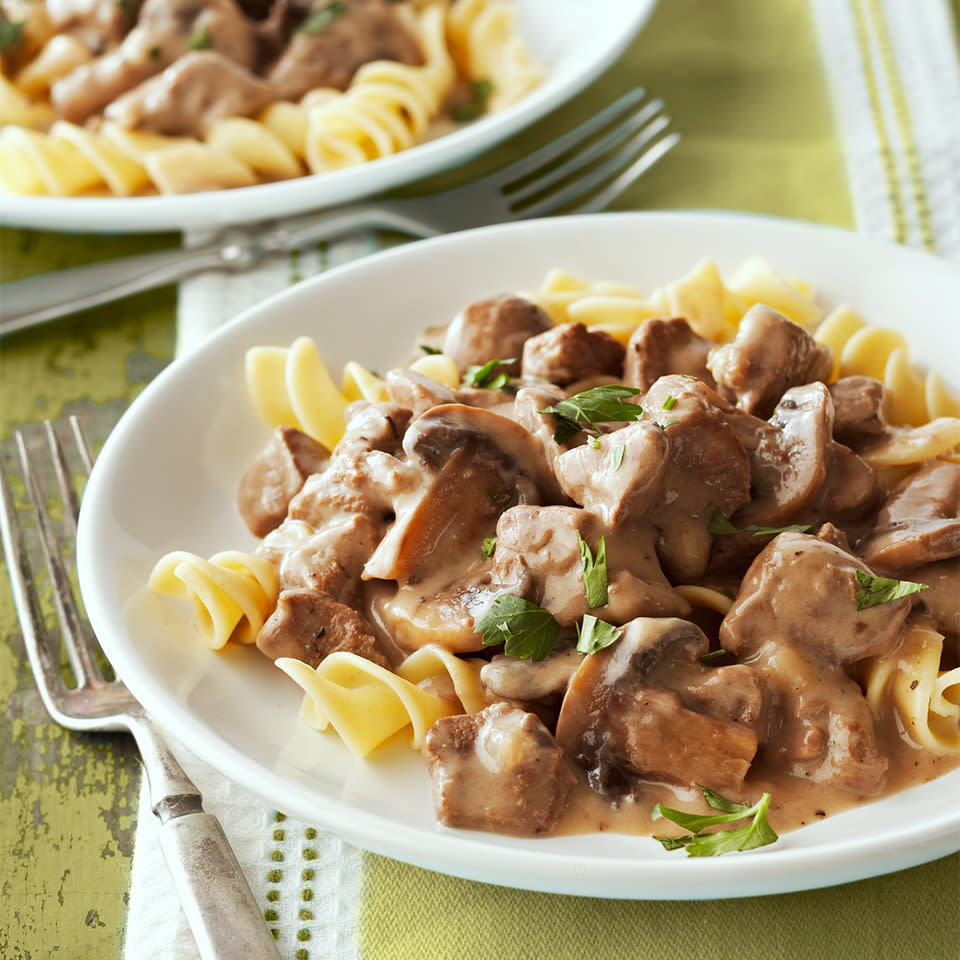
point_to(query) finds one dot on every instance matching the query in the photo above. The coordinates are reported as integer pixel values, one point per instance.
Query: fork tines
(622, 142)
(76, 635)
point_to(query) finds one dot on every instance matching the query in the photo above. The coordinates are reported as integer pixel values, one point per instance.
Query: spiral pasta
(926, 699)
(232, 593)
(485, 46)
(365, 703)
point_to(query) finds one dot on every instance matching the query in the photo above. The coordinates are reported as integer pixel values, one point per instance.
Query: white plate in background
(572, 40)
(166, 477)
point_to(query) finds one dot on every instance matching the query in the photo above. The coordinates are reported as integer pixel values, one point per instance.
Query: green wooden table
(743, 82)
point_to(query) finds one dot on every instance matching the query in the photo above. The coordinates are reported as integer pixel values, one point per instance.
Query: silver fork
(580, 172)
(221, 910)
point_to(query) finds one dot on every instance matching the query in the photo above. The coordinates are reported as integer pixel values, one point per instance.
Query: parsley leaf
(604, 404)
(489, 545)
(757, 833)
(877, 590)
(594, 572)
(429, 351)
(670, 402)
(709, 658)
(480, 93)
(617, 456)
(526, 630)
(594, 634)
(321, 18)
(201, 39)
(720, 526)
(594, 442)
(486, 378)
(10, 32)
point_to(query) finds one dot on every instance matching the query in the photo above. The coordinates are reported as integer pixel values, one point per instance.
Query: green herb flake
(594, 634)
(485, 377)
(430, 351)
(712, 656)
(201, 39)
(155, 53)
(877, 590)
(526, 630)
(594, 442)
(699, 843)
(491, 496)
(127, 8)
(480, 93)
(594, 572)
(618, 456)
(720, 526)
(669, 403)
(488, 546)
(11, 32)
(606, 404)
(322, 17)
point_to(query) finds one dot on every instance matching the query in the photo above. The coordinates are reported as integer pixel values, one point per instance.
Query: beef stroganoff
(146, 96)
(600, 554)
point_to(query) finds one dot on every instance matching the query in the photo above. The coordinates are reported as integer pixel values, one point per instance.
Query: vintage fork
(580, 172)
(221, 910)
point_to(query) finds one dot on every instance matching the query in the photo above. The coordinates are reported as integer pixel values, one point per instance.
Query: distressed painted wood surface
(67, 801)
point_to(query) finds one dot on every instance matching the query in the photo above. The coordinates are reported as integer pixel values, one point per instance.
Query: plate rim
(465, 853)
(312, 192)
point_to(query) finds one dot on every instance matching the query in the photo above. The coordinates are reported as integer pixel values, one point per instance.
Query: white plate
(166, 477)
(574, 41)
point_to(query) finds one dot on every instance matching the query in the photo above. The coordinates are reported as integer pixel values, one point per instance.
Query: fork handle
(223, 916)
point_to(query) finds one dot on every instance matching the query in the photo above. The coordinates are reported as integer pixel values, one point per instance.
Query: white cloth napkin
(895, 80)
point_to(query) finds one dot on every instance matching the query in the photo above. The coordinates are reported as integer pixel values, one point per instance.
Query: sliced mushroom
(416, 392)
(858, 410)
(769, 355)
(477, 464)
(640, 710)
(920, 521)
(526, 680)
(497, 770)
(276, 476)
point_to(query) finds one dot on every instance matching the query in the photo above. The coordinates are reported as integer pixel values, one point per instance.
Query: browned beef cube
(571, 352)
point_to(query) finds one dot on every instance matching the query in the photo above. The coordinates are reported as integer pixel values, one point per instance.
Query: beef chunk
(660, 347)
(498, 770)
(645, 708)
(309, 626)
(707, 469)
(538, 557)
(941, 602)
(571, 352)
(276, 476)
(369, 30)
(920, 521)
(801, 590)
(769, 355)
(494, 329)
(857, 411)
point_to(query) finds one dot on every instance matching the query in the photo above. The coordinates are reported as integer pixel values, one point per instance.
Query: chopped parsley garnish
(720, 526)
(713, 655)
(488, 546)
(617, 456)
(127, 8)
(480, 93)
(491, 496)
(155, 53)
(10, 32)
(594, 572)
(429, 351)
(486, 377)
(201, 39)
(877, 590)
(594, 442)
(526, 630)
(669, 403)
(698, 843)
(604, 404)
(322, 17)
(594, 634)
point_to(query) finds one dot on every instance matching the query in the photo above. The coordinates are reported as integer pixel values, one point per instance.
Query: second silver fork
(222, 912)
(579, 172)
